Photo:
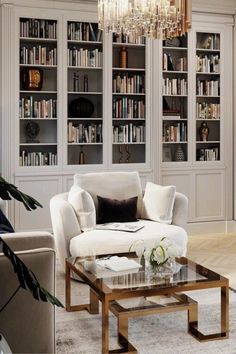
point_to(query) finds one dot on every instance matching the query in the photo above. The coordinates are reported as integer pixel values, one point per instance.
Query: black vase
(81, 108)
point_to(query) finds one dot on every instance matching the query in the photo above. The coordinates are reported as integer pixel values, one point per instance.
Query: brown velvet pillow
(112, 210)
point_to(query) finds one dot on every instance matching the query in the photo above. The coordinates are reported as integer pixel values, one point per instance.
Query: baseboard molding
(211, 227)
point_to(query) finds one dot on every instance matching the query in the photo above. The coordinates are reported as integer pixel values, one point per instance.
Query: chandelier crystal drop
(156, 19)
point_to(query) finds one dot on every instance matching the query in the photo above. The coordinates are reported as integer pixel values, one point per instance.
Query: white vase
(4, 347)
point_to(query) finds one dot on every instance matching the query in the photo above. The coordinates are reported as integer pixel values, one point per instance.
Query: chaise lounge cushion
(83, 206)
(96, 242)
(158, 203)
(113, 210)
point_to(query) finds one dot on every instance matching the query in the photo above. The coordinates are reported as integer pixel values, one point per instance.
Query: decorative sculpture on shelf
(204, 131)
(31, 79)
(81, 157)
(81, 108)
(121, 154)
(128, 153)
(32, 130)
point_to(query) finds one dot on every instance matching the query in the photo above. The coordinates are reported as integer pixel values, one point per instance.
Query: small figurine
(204, 131)
(32, 130)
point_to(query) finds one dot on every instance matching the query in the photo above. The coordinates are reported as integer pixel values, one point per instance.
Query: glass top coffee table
(139, 293)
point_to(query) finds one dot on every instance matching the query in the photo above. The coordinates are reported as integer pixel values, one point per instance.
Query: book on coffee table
(118, 264)
(120, 226)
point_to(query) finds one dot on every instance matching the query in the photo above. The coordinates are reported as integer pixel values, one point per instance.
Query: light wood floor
(215, 251)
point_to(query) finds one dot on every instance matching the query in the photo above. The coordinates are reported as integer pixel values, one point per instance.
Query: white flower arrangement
(158, 254)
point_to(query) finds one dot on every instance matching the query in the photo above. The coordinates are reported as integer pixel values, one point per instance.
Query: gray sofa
(27, 324)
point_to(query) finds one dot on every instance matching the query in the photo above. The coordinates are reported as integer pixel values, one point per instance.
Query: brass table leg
(105, 326)
(94, 303)
(193, 320)
(69, 307)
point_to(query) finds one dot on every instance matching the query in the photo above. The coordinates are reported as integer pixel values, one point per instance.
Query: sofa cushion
(109, 242)
(113, 210)
(158, 203)
(113, 185)
(84, 207)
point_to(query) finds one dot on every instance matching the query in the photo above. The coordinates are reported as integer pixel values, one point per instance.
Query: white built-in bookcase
(135, 123)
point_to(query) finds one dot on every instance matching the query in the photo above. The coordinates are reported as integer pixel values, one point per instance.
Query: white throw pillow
(158, 203)
(84, 207)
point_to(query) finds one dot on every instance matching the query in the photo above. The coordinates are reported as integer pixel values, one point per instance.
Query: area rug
(80, 332)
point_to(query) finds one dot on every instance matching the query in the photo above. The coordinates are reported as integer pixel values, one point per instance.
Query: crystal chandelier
(153, 18)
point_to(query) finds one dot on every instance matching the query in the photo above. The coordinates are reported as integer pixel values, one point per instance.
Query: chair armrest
(180, 210)
(23, 241)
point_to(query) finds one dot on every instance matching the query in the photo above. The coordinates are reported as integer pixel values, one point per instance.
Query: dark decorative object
(204, 131)
(81, 158)
(81, 108)
(170, 64)
(112, 210)
(121, 154)
(8, 190)
(85, 83)
(76, 82)
(32, 130)
(31, 79)
(123, 58)
(128, 153)
(179, 153)
(172, 42)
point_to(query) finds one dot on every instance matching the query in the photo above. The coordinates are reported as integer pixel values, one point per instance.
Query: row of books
(31, 108)
(84, 57)
(174, 64)
(38, 55)
(37, 28)
(175, 86)
(128, 108)
(131, 38)
(174, 132)
(124, 83)
(83, 31)
(129, 133)
(37, 158)
(206, 110)
(208, 88)
(208, 154)
(84, 133)
(208, 64)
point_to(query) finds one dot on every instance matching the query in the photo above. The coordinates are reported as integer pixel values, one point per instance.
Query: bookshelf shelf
(89, 43)
(38, 118)
(44, 66)
(84, 67)
(38, 144)
(175, 48)
(38, 40)
(128, 69)
(84, 93)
